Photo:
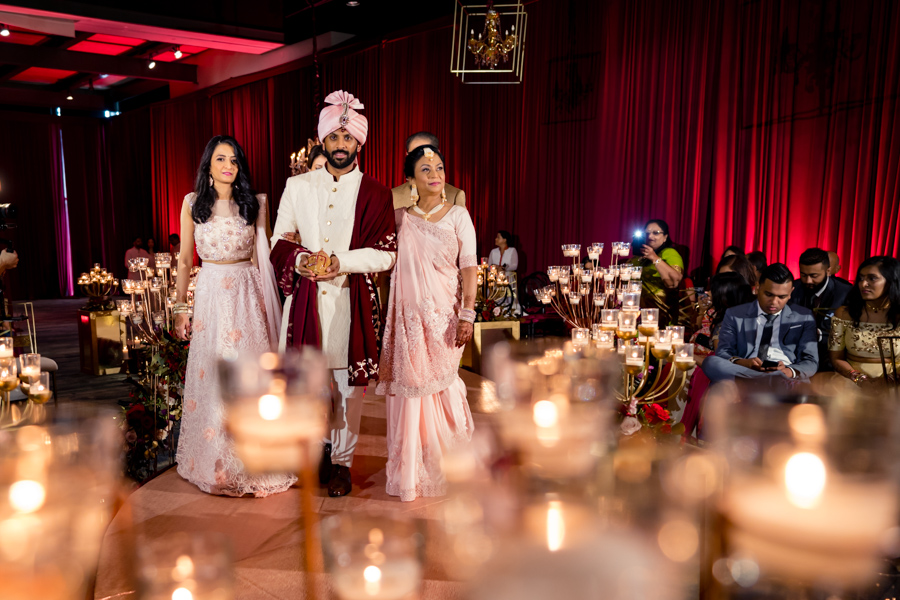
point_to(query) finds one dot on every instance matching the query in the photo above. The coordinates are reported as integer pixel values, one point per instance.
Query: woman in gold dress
(872, 310)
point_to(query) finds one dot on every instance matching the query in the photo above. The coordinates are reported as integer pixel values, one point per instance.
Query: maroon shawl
(373, 227)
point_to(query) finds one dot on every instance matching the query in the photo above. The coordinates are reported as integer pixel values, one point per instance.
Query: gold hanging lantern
(496, 54)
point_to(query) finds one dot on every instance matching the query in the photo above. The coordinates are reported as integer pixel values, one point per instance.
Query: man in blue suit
(766, 338)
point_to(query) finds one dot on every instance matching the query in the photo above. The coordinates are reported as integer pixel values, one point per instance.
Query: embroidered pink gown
(234, 311)
(427, 411)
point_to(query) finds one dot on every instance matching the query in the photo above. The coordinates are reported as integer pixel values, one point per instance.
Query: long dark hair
(242, 188)
(739, 264)
(726, 291)
(890, 270)
(664, 227)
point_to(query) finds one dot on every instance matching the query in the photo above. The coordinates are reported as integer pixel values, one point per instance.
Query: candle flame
(27, 496)
(270, 407)
(182, 594)
(556, 526)
(372, 574)
(546, 414)
(804, 477)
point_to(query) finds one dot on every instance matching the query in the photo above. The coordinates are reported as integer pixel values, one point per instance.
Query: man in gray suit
(402, 192)
(766, 338)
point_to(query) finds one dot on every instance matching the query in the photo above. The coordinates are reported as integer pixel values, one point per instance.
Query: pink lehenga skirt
(229, 317)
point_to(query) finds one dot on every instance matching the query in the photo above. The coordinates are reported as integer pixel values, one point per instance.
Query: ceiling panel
(42, 75)
(20, 36)
(116, 39)
(99, 48)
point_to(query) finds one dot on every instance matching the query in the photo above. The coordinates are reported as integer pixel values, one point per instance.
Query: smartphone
(769, 364)
(637, 240)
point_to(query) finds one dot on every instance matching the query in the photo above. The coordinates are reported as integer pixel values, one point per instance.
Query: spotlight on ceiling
(178, 52)
(104, 76)
(69, 97)
(4, 30)
(152, 64)
(352, 3)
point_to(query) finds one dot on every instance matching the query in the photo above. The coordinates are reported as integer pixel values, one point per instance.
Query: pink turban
(342, 116)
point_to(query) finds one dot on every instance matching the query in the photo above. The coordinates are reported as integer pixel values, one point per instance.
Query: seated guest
(725, 291)
(316, 159)
(872, 310)
(766, 337)
(821, 294)
(403, 193)
(757, 261)
(663, 270)
(504, 255)
(174, 243)
(834, 262)
(738, 263)
(731, 251)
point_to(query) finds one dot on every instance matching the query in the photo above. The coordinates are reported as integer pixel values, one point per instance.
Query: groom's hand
(302, 267)
(332, 271)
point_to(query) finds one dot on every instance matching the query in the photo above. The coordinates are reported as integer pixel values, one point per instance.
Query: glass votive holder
(163, 260)
(683, 355)
(605, 340)
(624, 248)
(185, 566)
(158, 317)
(6, 347)
(31, 368)
(581, 336)
(571, 250)
(123, 306)
(649, 320)
(661, 344)
(484, 261)
(574, 298)
(584, 289)
(373, 555)
(39, 391)
(155, 284)
(677, 333)
(622, 346)
(9, 379)
(599, 299)
(587, 275)
(609, 319)
(631, 301)
(625, 274)
(553, 273)
(563, 278)
(634, 359)
(627, 326)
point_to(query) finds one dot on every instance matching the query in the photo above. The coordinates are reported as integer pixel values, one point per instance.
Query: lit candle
(605, 340)
(677, 334)
(684, 356)
(631, 301)
(392, 579)
(599, 299)
(649, 320)
(6, 347)
(581, 336)
(609, 319)
(574, 298)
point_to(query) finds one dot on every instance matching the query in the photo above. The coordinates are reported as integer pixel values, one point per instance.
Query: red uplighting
(42, 75)
(85, 319)
(18, 36)
(115, 39)
(99, 48)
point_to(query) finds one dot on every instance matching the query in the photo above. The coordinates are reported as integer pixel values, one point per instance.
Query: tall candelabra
(98, 283)
(602, 305)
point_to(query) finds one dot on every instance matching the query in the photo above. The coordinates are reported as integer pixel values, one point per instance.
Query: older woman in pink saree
(429, 320)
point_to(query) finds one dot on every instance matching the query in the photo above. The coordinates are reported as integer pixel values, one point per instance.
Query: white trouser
(347, 402)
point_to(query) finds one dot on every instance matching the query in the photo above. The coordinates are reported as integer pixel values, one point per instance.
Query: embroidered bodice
(861, 341)
(224, 239)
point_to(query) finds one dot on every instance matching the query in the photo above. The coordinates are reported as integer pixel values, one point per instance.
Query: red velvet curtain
(772, 125)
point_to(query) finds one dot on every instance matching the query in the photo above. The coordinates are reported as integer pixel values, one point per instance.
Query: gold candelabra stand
(299, 158)
(493, 283)
(602, 305)
(98, 283)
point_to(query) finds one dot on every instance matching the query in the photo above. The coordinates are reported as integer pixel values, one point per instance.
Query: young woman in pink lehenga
(430, 318)
(236, 308)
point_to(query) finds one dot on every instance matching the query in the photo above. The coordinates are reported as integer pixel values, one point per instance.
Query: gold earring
(210, 181)
(414, 193)
(443, 196)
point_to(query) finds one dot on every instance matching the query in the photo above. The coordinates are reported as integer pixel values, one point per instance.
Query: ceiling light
(178, 52)
(69, 97)
(352, 3)
(152, 64)
(104, 76)
(4, 30)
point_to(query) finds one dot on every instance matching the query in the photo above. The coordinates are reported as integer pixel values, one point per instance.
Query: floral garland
(150, 419)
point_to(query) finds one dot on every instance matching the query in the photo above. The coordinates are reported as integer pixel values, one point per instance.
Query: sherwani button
(328, 222)
(326, 239)
(324, 292)
(334, 189)
(331, 206)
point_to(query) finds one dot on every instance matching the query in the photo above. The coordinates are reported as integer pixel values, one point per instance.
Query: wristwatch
(734, 359)
(656, 262)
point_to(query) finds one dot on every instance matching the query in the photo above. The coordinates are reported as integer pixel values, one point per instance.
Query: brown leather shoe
(340, 481)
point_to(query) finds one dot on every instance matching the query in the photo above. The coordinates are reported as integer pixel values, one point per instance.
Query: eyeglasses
(657, 232)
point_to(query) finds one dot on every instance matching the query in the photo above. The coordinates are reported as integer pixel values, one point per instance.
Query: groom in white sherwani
(339, 213)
